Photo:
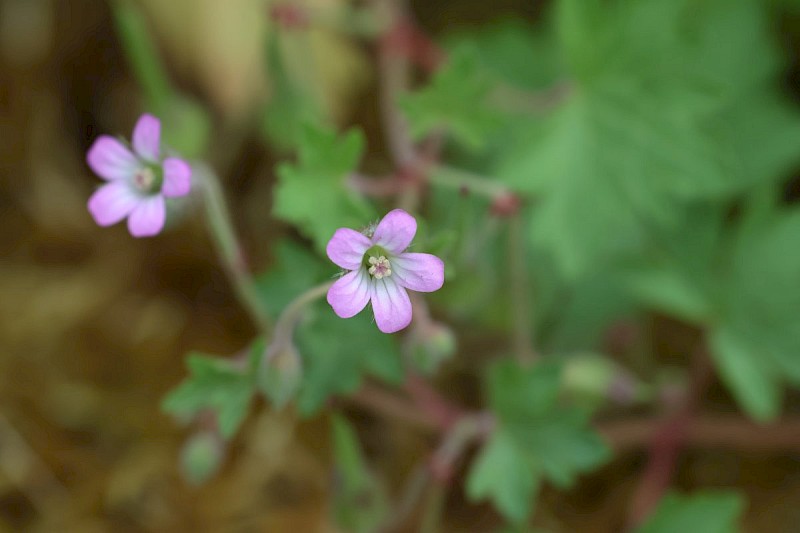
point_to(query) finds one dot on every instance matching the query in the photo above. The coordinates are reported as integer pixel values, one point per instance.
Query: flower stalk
(229, 249)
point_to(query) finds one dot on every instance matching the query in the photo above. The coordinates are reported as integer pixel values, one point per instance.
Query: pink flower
(381, 271)
(138, 180)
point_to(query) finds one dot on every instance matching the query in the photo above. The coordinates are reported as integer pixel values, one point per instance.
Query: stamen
(381, 268)
(144, 179)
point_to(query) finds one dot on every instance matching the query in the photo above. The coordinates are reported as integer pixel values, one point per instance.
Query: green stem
(520, 292)
(454, 178)
(142, 54)
(229, 249)
(284, 328)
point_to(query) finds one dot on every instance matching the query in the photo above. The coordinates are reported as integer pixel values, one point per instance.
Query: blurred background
(94, 324)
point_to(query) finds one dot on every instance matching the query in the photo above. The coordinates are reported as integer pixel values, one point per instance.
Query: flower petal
(112, 202)
(347, 248)
(350, 294)
(418, 272)
(391, 305)
(396, 231)
(147, 137)
(111, 160)
(148, 217)
(177, 177)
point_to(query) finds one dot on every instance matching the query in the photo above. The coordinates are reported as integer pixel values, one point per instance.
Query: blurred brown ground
(94, 324)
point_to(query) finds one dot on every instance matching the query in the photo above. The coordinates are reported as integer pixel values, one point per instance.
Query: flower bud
(280, 374)
(433, 345)
(596, 378)
(201, 457)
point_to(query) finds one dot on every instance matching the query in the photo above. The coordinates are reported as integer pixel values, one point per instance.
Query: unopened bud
(280, 375)
(433, 345)
(597, 378)
(201, 457)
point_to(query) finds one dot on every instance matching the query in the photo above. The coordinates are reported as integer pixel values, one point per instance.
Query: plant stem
(228, 247)
(454, 178)
(141, 52)
(284, 328)
(520, 292)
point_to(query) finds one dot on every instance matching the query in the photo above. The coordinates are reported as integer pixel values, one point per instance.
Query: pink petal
(347, 248)
(391, 305)
(146, 137)
(177, 177)
(350, 294)
(396, 231)
(112, 202)
(418, 272)
(148, 217)
(111, 160)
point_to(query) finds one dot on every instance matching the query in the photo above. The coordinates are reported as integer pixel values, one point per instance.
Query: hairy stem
(229, 249)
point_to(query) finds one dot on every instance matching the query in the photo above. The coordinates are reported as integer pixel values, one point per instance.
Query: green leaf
(706, 511)
(535, 435)
(512, 51)
(312, 193)
(213, 384)
(294, 271)
(455, 100)
(659, 115)
(360, 502)
(756, 340)
(752, 381)
(504, 474)
(338, 352)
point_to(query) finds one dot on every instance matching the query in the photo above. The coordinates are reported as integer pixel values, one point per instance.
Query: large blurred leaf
(709, 512)
(545, 440)
(338, 352)
(311, 193)
(658, 115)
(756, 340)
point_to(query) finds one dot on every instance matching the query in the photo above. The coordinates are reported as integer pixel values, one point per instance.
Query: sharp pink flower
(138, 179)
(380, 271)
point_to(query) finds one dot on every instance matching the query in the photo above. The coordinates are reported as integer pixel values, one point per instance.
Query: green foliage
(312, 193)
(216, 385)
(709, 512)
(656, 116)
(756, 338)
(455, 101)
(536, 439)
(360, 502)
(338, 352)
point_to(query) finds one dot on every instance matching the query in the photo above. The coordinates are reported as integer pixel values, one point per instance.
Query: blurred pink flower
(138, 180)
(381, 271)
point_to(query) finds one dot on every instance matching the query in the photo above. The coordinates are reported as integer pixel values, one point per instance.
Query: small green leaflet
(454, 101)
(359, 499)
(312, 193)
(217, 385)
(706, 511)
(536, 440)
(338, 352)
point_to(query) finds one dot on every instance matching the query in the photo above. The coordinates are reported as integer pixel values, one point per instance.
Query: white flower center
(380, 267)
(144, 179)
